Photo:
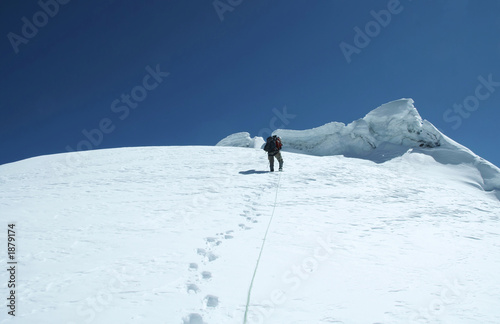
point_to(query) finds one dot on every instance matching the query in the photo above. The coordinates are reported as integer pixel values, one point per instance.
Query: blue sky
(130, 73)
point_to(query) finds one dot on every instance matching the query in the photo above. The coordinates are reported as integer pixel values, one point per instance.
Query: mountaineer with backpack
(273, 147)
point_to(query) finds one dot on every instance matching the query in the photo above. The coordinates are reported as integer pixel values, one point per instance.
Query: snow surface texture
(134, 236)
(383, 134)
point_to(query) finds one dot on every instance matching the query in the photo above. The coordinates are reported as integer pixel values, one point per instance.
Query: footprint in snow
(192, 288)
(211, 257)
(243, 226)
(213, 241)
(227, 235)
(193, 318)
(212, 301)
(206, 275)
(250, 219)
(207, 254)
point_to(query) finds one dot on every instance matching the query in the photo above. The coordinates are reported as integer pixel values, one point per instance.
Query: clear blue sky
(81, 65)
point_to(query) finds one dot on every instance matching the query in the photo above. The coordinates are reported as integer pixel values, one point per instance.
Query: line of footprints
(207, 255)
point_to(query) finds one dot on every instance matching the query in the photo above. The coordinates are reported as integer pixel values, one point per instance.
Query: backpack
(273, 144)
(277, 140)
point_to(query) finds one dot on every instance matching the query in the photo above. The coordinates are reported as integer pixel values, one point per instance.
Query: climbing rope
(260, 253)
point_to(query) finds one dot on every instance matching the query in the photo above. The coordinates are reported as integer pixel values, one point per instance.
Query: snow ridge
(242, 139)
(389, 131)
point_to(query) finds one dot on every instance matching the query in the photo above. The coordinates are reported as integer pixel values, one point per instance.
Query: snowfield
(174, 234)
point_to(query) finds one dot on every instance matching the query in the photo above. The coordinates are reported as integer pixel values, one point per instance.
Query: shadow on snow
(253, 172)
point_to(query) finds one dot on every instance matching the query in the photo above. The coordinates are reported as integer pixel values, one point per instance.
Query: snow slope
(173, 235)
(387, 132)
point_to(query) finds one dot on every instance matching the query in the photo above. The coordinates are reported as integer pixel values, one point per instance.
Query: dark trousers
(271, 160)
